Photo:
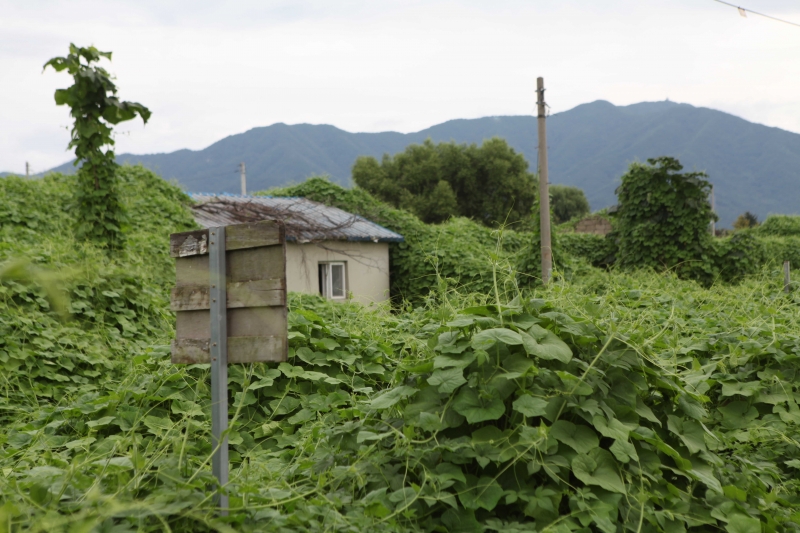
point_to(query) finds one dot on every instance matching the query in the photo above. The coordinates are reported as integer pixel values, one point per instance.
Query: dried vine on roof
(302, 224)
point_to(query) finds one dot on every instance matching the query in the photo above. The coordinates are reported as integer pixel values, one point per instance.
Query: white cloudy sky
(208, 69)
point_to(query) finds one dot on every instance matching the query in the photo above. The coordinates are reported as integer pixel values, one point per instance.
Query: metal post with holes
(787, 280)
(219, 362)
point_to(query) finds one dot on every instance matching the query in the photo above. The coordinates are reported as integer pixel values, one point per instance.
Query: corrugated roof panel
(305, 220)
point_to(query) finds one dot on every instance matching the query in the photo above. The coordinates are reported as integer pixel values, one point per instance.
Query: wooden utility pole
(244, 178)
(713, 210)
(544, 190)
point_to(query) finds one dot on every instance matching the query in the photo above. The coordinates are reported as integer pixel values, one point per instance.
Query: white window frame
(325, 270)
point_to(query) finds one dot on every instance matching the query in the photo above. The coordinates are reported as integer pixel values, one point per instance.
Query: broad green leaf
(367, 436)
(574, 384)
(739, 523)
(481, 493)
(430, 422)
(448, 471)
(79, 443)
(703, 472)
(737, 414)
(550, 347)
(477, 409)
(457, 361)
(742, 389)
(155, 423)
(530, 406)
(734, 493)
(483, 340)
(580, 438)
(391, 397)
(613, 429)
(447, 380)
(690, 432)
(692, 407)
(624, 451)
(100, 421)
(598, 468)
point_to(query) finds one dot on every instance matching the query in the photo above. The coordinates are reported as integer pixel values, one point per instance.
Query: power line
(742, 10)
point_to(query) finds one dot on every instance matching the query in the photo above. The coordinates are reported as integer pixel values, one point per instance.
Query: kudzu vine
(95, 108)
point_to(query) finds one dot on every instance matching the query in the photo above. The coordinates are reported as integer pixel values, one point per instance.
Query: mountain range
(753, 167)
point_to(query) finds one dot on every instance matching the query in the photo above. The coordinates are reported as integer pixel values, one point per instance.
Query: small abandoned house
(329, 252)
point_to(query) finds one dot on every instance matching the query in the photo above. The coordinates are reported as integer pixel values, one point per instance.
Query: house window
(333, 280)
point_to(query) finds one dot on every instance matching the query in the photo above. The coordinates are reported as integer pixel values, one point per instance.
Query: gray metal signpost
(219, 359)
(230, 308)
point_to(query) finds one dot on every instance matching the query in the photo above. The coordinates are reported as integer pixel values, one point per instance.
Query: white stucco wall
(367, 267)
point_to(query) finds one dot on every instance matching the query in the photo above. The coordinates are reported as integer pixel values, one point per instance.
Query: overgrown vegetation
(458, 252)
(94, 107)
(614, 402)
(489, 184)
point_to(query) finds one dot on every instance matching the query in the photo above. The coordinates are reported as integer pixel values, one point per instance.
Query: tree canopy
(489, 184)
(567, 202)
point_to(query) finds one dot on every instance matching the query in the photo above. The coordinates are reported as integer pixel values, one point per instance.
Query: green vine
(94, 108)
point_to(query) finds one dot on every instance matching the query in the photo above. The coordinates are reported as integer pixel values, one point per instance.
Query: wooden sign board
(255, 264)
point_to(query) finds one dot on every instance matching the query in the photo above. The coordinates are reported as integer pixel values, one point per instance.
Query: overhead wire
(745, 10)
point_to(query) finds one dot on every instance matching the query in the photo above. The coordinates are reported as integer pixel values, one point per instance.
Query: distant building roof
(305, 220)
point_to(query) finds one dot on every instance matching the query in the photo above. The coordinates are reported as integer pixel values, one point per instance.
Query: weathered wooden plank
(250, 264)
(266, 262)
(242, 322)
(240, 350)
(254, 235)
(188, 243)
(192, 270)
(256, 293)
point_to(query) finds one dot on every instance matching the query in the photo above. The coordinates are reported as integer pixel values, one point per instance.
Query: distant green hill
(753, 167)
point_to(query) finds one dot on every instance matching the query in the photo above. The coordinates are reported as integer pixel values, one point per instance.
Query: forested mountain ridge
(753, 167)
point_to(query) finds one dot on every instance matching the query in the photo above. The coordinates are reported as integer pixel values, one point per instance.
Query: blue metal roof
(305, 220)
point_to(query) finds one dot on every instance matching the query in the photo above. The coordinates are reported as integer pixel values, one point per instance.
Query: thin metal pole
(544, 191)
(219, 362)
(244, 178)
(786, 277)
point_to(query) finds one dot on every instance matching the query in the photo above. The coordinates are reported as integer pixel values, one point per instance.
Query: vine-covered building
(329, 251)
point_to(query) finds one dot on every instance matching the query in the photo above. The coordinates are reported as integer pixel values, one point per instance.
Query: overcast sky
(208, 69)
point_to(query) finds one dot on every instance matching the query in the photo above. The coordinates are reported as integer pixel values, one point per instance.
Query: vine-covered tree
(567, 203)
(490, 184)
(663, 217)
(94, 107)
